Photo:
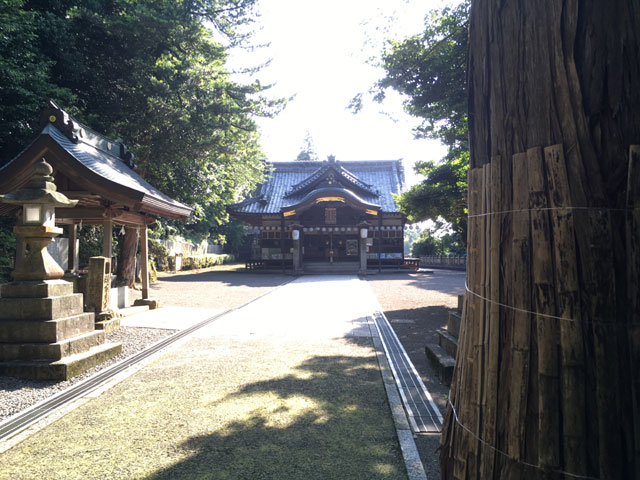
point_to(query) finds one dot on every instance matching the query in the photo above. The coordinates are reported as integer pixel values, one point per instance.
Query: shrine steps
(442, 355)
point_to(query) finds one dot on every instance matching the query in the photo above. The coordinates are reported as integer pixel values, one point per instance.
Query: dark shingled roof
(87, 153)
(373, 181)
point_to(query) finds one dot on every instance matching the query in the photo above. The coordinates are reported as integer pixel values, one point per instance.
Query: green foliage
(7, 248)
(426, 244)
(25, 76)
(429, 244)
(150, 72)
(158, 255)
(196, 262)
(429, 69)
(90, 237)
(308, 149)
(441, 194)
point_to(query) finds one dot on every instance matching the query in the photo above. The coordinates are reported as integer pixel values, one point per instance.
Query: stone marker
(97, 297)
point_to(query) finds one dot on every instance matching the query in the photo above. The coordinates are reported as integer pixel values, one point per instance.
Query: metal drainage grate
(423, 414)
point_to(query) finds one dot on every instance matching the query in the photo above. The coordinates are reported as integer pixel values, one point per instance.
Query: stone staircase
(442, 355)
(46, 335)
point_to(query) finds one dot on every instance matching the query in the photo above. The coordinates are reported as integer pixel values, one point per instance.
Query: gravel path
(417, 305)
(219, 287)
(18, 394)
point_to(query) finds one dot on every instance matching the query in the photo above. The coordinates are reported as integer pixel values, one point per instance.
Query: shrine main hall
(326, 216)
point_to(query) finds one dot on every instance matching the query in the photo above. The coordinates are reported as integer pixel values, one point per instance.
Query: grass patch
(229, 409)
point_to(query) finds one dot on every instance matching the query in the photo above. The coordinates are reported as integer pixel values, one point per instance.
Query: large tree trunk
(127, 258)
(547, 381)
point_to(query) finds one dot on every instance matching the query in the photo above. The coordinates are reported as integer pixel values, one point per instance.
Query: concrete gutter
(412, 461)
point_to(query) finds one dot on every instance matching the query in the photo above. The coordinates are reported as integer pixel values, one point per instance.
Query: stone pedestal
(45, 334)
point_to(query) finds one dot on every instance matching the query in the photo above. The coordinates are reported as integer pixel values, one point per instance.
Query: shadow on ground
(328, 419)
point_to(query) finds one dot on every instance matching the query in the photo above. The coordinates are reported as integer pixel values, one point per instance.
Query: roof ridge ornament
(60, 119)
(76, 132)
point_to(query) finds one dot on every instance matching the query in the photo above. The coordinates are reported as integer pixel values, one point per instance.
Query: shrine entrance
(330, 246)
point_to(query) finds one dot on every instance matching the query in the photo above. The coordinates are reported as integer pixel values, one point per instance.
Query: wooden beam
(80, 213)
(132, 218)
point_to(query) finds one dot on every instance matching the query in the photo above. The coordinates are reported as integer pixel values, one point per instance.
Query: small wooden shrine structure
(332, 212)
(100, 174)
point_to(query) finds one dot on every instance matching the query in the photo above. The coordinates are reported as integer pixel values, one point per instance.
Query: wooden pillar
(144, 260)
(282, 233)
(73, 235)
(379, 242)
(107, 229)
(296, 231)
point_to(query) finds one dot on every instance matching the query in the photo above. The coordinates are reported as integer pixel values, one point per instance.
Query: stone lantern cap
(39, 190)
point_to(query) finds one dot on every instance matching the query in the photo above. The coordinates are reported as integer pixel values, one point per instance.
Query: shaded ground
(417, 305)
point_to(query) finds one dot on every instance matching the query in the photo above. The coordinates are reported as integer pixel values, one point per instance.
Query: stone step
(127, 311)
(48, 308)
(441, 361)
(61, 369)
(51, 351)
(336, 267)
(48, 331)
(448, 342)
(453, 323)
(36, 289)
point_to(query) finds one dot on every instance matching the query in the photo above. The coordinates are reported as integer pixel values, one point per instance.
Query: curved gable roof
(385, 177)
(93, 161)
(336, 172)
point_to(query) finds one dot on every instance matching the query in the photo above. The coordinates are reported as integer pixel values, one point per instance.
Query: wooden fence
(444, 261)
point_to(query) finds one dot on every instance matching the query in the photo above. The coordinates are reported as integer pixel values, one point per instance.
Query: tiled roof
(109, 167)
(106, 160)
(386, 177)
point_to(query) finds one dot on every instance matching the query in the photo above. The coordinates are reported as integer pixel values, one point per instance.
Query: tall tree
(550, 343)
(152, 73)
(308, 149)
(429, 69)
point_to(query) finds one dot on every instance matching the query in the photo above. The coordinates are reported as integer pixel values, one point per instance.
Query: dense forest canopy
(150, 72)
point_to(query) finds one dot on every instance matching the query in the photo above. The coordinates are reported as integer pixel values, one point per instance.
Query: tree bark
(551, 329)
(127, 258)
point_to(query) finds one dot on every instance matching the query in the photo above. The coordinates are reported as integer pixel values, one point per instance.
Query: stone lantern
(38, 200)
(44, 332)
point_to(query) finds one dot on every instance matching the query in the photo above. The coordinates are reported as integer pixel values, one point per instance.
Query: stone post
(363, 229)
(295, 235)
(98, 284)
